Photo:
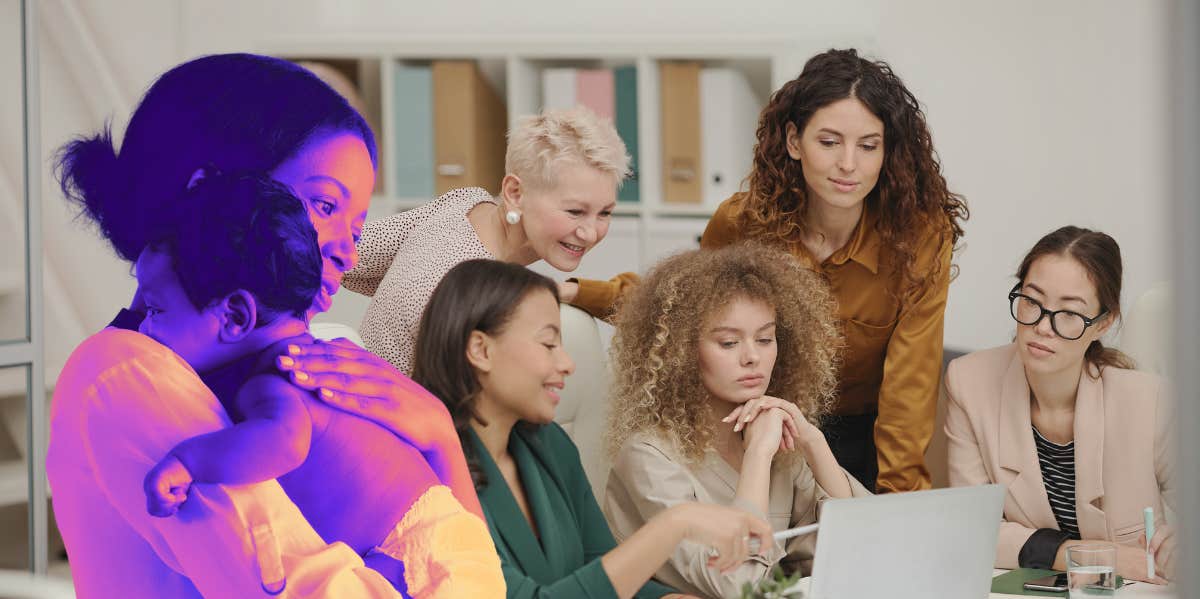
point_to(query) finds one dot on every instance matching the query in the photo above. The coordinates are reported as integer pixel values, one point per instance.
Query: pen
(784, 535)
(1148, 513)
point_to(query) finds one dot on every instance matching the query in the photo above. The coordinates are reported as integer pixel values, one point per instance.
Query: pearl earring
(513, 217)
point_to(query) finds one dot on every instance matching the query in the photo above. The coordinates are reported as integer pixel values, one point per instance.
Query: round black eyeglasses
(1066, 324)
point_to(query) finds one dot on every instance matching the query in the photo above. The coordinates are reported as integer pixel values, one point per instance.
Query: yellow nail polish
(294, 349)
(301, 376)
(326, 393)
(286, 362)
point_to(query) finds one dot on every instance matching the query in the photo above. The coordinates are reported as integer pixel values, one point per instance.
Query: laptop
(919, 545)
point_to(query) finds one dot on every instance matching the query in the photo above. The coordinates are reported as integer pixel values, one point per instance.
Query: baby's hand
(167, 487)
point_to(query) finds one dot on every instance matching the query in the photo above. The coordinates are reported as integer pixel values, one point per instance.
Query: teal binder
(413, 117)
(625, 84)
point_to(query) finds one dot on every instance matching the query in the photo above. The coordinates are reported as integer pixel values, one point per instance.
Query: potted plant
(776, 586)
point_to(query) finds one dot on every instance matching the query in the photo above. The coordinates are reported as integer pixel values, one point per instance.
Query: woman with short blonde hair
(563, 169)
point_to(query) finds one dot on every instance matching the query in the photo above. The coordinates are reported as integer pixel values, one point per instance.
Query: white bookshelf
(513, 67)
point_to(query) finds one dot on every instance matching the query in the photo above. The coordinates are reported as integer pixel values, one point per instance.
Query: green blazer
(574, 534)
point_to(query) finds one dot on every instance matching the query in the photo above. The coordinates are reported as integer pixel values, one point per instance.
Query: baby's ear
(237, 314)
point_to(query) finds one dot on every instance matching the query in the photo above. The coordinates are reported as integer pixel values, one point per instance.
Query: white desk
(1134, 590)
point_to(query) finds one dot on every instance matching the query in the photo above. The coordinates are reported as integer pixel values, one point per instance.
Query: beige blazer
(1122, 453)
(649, 476)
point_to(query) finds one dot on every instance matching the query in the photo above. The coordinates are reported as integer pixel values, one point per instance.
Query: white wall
(1044, 113)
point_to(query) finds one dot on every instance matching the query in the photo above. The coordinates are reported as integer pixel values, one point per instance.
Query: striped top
(1058, 474)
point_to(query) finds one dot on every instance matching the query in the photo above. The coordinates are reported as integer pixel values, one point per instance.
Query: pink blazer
(1122, 450)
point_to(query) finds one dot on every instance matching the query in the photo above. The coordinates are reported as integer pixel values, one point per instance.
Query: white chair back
(583, 412)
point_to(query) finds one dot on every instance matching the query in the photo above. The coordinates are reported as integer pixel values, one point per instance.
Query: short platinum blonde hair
(541, 143)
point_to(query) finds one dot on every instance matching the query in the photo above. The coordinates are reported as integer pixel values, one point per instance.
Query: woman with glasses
(1078, 437)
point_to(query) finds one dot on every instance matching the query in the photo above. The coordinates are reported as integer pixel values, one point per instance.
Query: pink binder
(594, 89)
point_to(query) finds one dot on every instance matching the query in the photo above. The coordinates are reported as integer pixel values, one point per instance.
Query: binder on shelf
(470, 123)
(680, 110)
(594, 89)
(626, 121)
(559, 88)
(728, 120)
(413, 131)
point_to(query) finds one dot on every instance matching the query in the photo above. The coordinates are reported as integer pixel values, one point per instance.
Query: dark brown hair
(1100, 256)
(911, 196)
(476, 295)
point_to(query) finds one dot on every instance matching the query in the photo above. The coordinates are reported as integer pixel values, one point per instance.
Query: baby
(228, 292)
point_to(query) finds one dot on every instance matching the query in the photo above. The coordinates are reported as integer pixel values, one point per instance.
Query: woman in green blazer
(489, 347)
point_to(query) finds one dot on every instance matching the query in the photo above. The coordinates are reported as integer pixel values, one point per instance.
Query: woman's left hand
(1162, 547)
(353, 379)
(796, 428)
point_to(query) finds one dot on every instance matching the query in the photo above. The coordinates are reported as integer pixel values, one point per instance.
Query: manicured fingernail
(294, 349)
(286, 362)
(302, 376)
(326, 393)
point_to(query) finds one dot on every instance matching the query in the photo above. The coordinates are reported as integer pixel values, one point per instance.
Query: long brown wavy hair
(658, 328)
(1100, 256)
(911, 196)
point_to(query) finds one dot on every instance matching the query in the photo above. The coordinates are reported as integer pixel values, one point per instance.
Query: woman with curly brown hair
(724, 360)
(845, 178)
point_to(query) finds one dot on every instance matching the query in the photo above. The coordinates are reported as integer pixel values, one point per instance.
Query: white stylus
(784, 535)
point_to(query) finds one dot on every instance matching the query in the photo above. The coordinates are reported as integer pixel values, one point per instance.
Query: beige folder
(680, 83)
(469, 126)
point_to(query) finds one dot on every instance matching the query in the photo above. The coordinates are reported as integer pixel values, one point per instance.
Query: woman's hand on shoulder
(355, 380)
(567, 290)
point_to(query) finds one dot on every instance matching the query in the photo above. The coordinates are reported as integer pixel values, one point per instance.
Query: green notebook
(1011, 583)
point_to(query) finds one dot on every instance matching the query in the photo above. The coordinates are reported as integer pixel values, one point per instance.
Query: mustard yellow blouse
(893, 358)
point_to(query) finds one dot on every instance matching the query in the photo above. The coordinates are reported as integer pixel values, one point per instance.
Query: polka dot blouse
(401, 259)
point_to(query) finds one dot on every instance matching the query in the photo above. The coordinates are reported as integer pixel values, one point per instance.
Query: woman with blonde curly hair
(724, 360)
(846, 179)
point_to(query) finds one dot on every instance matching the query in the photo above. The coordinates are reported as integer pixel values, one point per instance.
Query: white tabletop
(1132, 590)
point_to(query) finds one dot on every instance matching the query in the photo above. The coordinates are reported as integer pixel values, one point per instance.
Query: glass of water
(1091, 570)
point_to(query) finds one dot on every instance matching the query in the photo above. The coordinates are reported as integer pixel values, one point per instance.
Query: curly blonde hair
(912, 199)
(539, 144)
(658, 330)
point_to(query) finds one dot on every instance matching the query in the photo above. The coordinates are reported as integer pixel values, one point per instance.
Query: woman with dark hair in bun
(123, 401)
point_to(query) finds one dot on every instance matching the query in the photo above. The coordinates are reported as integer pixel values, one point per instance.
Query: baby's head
(243, 255)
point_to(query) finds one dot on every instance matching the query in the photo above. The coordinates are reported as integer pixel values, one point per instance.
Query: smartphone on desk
(1055, 583)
